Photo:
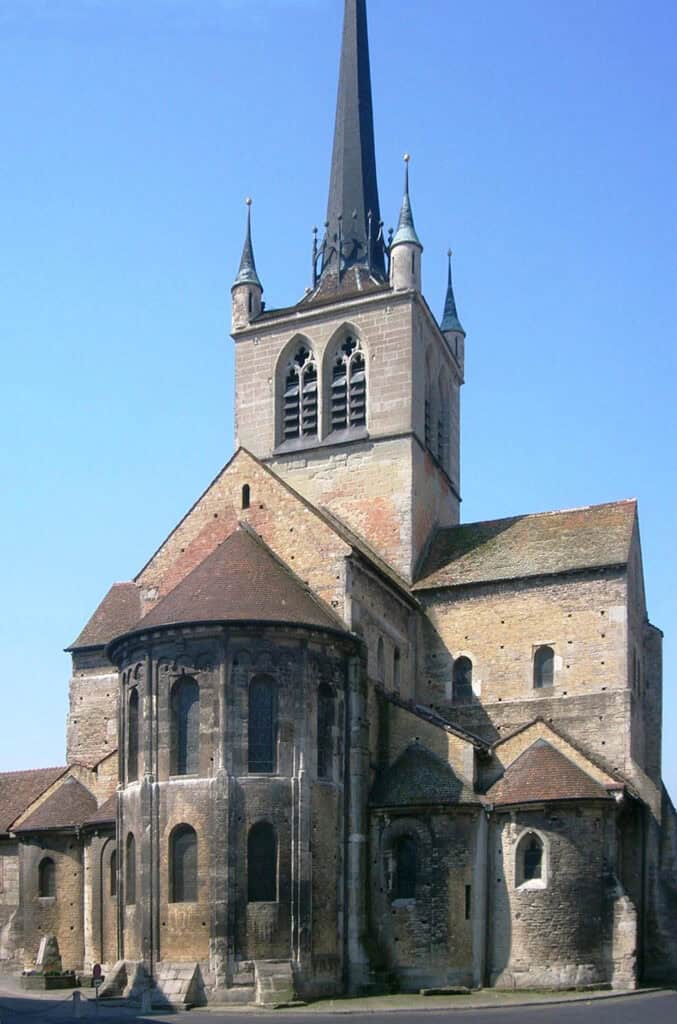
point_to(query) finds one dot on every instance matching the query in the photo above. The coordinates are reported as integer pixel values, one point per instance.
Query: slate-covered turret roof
(450, 321)
(543, 774)
(67, 807)
(241, 580)
(535, 545)
(18, 790)
(247, 271)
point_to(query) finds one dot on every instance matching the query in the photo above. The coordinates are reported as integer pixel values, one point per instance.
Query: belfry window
(130, 871)
(349, 386)
(262, 724)
(462, 681)
(405, 868)
(185, 733)
(300, 396)
(183, 865)
(133, 736)
(47, 878)
(544, 667)
(262, 864)
(325, 728)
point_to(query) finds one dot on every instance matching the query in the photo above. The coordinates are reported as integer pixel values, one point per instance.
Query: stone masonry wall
(92, 711)
(62, 914)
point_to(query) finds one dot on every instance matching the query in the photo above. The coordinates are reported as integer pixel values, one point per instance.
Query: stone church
(330, 738)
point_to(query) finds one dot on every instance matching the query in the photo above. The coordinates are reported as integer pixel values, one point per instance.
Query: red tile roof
(533, 545)
(542, 774)
(67, 807)
(18, 790)
(117, 613)
(106, 814)
(242, 580)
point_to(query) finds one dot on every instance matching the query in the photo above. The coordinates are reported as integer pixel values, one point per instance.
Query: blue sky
(544, 143)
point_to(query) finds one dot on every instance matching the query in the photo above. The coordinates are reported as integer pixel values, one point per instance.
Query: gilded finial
(248, 201)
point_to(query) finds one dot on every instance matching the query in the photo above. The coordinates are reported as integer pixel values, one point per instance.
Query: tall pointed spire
(247, 272)
(406, 231)
(353, 190)
(450, 321)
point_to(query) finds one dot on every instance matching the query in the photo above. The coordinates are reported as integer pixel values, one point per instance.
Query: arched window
(544, 667)
(348, 386)
(246, 496)
(405, 857)
(325, 727)
(397, 670)
(530, 860)
(443, 425)
(462, 681)
(262, 724)
(133, 736)
(130, 871)
(183, 865)
(46, 877)
(185, 745)
(113, 874)
(262, 864)
(380, 661)
(300, 396)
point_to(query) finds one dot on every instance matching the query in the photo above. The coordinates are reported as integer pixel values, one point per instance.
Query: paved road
(653, 1008)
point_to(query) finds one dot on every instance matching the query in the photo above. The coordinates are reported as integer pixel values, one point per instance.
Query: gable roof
(18, 790)
(106, 814)
(116, 614)
(420, 777)
(241, 580)
(67, 807)
(542, 773)
(534, 545)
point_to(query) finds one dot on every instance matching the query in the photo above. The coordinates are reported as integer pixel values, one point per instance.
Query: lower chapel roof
(18, 790)
(545, 543)
(67, 807)
(543, 774)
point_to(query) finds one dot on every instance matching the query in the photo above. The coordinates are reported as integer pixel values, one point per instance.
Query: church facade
(331, 739)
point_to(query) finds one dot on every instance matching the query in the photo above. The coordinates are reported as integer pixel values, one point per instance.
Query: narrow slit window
(397, 670)
(130, 871)
(406, 857)
(47, 878)
(462, 681)
(468, 902)
(185, 727)
(262, 725)
(325, 731)
(113, 873)
(133, 736)
(380, 661)
(246, 496)
(262, 864)
(544, 668)
(183, 865)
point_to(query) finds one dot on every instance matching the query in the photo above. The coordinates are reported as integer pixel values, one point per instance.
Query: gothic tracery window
(300, 396)
(262, 725)
(348, 386)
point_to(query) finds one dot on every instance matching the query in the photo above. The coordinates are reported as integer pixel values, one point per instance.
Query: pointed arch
(345, 381)
(298, 391)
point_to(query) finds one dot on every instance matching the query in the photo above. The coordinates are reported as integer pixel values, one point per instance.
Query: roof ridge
(546, 512)
(27, 771)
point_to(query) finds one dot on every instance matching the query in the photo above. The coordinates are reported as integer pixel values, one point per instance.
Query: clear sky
(544, 144)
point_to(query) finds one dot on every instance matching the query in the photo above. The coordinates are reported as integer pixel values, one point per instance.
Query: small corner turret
(451, 326)
(247, 289)
(405, 248)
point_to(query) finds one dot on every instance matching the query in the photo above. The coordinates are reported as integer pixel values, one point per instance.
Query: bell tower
(352, 394)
